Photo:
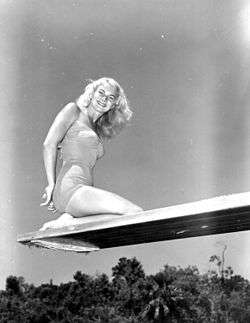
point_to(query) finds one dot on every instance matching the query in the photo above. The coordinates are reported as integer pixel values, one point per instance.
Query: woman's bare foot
(64, 220)
(67, 219)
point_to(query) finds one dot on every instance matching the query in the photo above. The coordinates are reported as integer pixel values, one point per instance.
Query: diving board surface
(223, 214)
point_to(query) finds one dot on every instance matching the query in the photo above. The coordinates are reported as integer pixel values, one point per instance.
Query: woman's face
(104, 99)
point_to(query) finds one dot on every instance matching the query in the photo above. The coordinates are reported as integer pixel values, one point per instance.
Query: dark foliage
(172, 295)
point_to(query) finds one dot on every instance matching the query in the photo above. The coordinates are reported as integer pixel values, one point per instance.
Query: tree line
(174, 294)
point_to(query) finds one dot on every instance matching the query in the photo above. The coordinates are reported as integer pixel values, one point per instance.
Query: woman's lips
(101, 104)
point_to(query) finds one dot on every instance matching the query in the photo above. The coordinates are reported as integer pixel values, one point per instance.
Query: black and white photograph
(125, 161)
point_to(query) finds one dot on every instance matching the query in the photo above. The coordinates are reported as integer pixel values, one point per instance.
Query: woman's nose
(104, 98)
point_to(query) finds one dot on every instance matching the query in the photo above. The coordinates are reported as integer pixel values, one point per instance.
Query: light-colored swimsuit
(80, 149)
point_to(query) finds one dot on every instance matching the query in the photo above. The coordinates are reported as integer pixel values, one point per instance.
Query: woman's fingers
(52, 207)
(44, 203)
(47, 199)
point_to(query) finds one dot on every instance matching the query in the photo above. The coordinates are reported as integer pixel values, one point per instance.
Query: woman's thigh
(89, 200)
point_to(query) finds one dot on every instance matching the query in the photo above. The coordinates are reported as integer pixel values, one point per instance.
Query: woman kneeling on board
(78, 131)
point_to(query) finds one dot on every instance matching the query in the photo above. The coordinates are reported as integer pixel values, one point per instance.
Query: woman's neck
(84, 118)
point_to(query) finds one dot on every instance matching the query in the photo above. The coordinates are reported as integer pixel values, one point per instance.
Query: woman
(79, 130)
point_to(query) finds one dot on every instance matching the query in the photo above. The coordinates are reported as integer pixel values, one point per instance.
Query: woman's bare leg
(94, 202)
(89, 200)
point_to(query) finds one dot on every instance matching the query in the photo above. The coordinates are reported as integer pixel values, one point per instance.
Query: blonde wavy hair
(114, 120)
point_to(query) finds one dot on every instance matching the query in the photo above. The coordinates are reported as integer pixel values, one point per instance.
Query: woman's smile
(100, 107)
(101, 104)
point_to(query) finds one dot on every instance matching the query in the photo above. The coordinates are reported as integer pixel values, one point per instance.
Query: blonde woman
(79, 131)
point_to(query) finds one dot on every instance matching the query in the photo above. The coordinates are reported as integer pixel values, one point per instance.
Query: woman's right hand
(47, 196)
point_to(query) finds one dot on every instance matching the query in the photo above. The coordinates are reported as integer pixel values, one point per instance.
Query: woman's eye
(101, 91)
(111, 98)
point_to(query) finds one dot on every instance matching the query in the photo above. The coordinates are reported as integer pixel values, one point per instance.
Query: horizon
(213, 269)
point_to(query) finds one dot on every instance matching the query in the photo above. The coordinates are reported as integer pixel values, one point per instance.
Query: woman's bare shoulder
(69, 112)
(71, 108)
(64, 119)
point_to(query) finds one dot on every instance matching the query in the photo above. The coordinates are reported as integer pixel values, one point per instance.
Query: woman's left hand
(47, 196)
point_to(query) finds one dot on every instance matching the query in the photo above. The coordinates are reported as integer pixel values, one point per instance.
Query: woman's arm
(57, 131)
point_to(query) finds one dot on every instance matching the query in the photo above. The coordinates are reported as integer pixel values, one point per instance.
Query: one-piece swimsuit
(80, 149)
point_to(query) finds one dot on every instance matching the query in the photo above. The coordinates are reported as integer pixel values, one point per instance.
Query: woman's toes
(44, 227)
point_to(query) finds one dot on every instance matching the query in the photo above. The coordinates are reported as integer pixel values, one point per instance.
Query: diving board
(223, 214)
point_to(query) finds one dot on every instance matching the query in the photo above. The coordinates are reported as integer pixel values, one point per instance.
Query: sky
(184, 66)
